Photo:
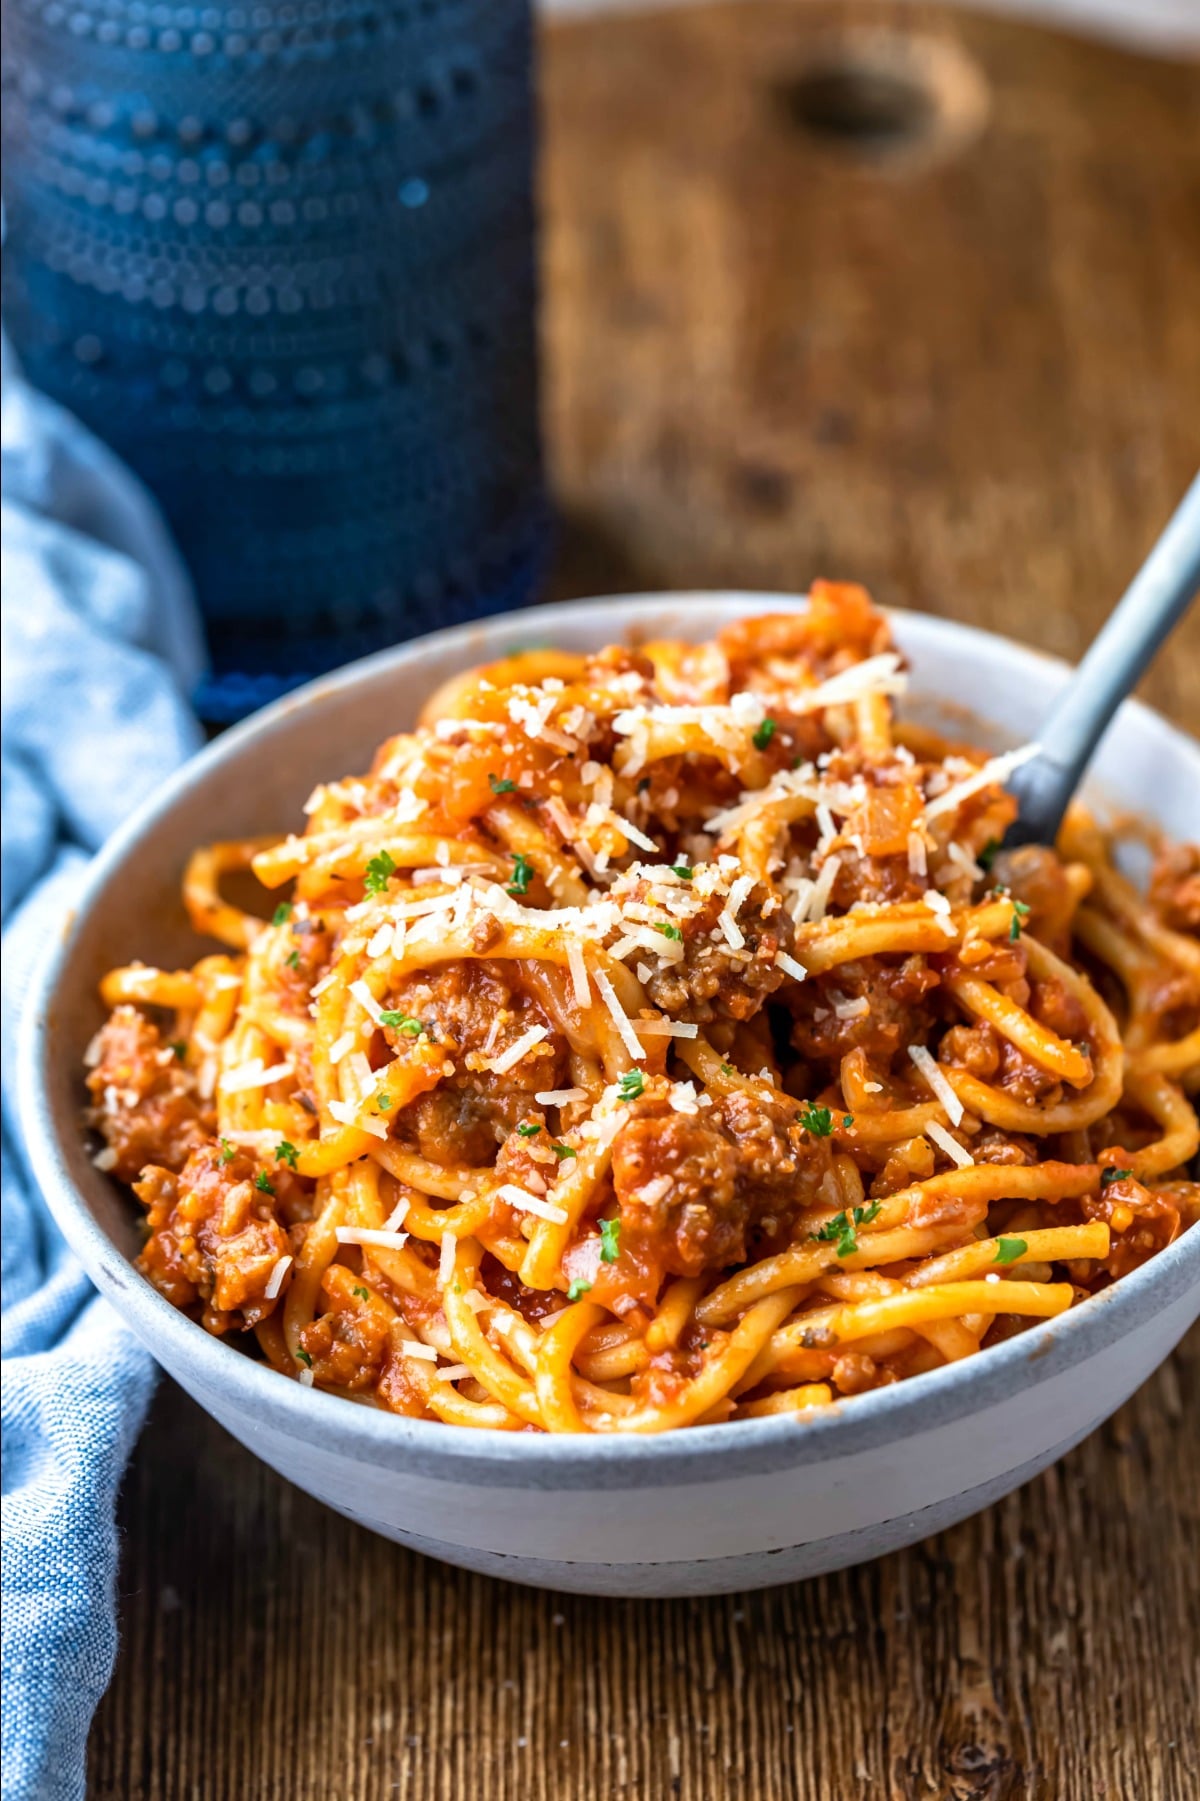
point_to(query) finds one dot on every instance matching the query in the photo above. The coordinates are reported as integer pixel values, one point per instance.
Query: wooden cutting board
(820, 298)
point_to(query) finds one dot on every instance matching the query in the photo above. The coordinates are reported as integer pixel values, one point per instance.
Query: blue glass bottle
(280, 256)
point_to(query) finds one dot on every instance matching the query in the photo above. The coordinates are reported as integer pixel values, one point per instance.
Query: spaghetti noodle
(656, 1038)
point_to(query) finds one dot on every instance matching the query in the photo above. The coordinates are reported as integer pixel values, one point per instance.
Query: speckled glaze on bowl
(702, 1511)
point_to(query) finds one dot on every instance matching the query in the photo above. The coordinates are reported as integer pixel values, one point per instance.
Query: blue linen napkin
(100, 647)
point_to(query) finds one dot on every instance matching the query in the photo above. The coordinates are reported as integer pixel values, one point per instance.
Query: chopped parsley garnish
(383, 1101)
(817, 1120)
(1114, 1175)
(1019, 913)
(670, 932)
(522, 873)
(499, 786)
(610, 1234)
(563, 1150)
(528, 1131)
(179, 1046)
(1009, 1249)
(227, 1151)
(282, 913)
(378, 871)
(263, 1183)
(286, 1153)
(842, 1229)
(684, 871)
(401, 1022)
(578, 1289)
(362, 1294)
(847, 1121)
(631, 1085)
(304, 1358)
(727, 1069)
(292, 959)
(764, 734)
(987, 855)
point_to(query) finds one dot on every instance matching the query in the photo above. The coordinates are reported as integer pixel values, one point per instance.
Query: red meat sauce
(1175, 887)
(695, 1193)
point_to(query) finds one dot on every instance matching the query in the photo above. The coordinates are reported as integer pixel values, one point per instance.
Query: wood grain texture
(973, 383)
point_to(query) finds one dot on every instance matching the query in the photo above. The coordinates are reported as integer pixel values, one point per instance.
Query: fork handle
(1155, 601)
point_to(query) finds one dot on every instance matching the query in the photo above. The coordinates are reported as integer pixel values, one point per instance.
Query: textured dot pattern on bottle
(280, 257)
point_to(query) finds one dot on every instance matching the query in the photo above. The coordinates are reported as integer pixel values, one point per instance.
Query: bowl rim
(518, 1459)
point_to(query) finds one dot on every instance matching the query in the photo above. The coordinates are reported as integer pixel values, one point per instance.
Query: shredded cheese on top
(937, 1081)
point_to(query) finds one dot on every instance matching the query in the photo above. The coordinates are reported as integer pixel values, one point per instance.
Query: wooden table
(798, 321)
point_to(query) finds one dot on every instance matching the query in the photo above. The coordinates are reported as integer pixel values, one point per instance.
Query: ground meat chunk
(215, 1237)
(476, 1010)
(704, 1190)
(714, 981)
(839, 626)
(884, 879)
(1013, 1148)
(1053, 1003)
(854, 1373)
(676, 1180)
(347, 1349)
(897, 1012)
(1143, 1219)
(1175, 886)
(973, 1048)
(1035, 876)
(1026, 1080)
(146, 1105)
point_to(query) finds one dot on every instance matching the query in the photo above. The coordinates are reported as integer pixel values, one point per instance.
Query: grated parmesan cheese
(367, 1001)
(823, 888)
(951, 1146)
(994, 773)
(727, 917)
(381, 941)
(874, 675)
(937, 1082)
(371, 1235)
(275, 1279)
(560, 1097)
(634, 835)
(253, 1075)
(524, 1202)
(790, 967)
(939, 904)
(577, 966)
(513, 1055)
(620, 1018)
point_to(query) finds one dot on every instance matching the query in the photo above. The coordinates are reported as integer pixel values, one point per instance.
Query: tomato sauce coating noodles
(656, 1038)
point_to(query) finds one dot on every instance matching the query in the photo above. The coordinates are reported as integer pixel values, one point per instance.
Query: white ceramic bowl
(701, 1511)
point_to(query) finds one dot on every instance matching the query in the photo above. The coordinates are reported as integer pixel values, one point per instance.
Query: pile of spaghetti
(658, 1037)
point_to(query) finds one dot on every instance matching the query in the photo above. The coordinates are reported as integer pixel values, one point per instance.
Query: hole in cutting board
(867, 106)
(887, 97)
